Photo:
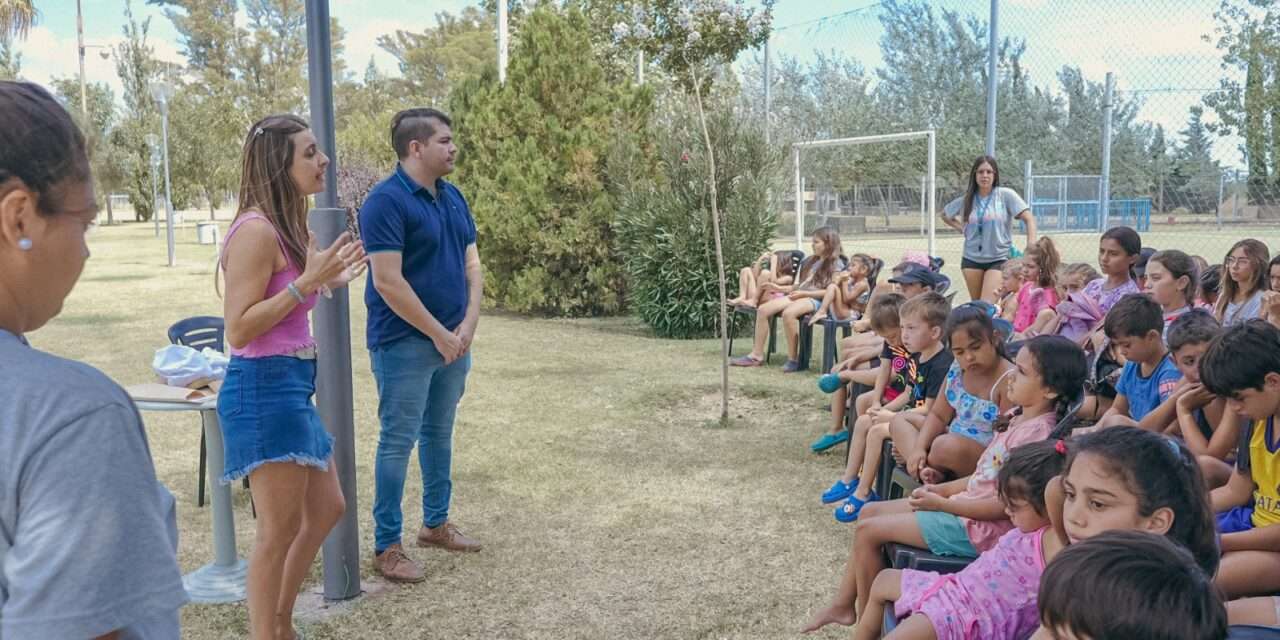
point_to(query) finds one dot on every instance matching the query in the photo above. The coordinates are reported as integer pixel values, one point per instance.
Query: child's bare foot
(929, 475)
(817, 317)
(834, 614)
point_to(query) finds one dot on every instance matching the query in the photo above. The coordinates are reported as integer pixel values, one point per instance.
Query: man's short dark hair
(1241, 358)
(1133, 585)
(415, 124)
(1196, 326)
(1134, 316)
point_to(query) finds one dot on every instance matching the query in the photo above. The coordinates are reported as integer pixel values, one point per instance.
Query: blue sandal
(839, 491)
(849, 511)
(829, 440)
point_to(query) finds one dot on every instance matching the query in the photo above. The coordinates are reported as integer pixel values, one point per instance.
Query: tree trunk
(111, 216)
(715, 231)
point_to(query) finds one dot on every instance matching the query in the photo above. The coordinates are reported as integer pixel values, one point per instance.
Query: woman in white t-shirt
(985, 215)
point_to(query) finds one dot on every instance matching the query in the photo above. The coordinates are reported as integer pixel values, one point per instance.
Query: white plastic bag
(179, 366)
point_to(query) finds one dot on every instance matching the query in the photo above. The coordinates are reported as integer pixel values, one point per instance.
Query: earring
(24, 244)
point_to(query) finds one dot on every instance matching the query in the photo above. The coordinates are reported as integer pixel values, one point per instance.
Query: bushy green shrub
(535, 165)
(665, 226)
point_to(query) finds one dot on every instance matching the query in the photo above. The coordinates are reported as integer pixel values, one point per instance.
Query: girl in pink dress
(1039, 291)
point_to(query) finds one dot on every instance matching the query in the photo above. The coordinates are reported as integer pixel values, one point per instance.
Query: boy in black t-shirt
(920, 327)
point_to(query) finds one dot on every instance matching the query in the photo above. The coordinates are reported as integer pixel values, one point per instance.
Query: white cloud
(362, 43)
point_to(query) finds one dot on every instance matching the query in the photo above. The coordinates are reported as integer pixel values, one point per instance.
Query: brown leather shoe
(447, 536)
(395, 566)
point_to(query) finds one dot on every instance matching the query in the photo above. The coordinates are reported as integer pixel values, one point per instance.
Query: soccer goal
(928, 185)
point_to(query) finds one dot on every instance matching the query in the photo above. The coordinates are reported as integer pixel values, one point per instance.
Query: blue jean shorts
(945, 534)
(267, 415)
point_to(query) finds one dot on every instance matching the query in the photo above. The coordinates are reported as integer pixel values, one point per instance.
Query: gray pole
(168, 192)
(799, 202)
(1222, 178)
(84, 99)
(992, 79)
(933, 192)
(640, 67)
(155, 215)
(768, 91)
(1028, 183)
(1104, 193)
(502, 41)
(332, 322)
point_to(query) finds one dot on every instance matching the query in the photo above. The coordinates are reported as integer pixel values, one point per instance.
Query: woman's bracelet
(292, 288)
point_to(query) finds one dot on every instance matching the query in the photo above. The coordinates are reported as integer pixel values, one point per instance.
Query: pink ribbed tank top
(293, 332)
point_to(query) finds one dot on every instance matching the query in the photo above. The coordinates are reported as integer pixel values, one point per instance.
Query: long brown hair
(824, 267)
(1045, 256)
(972, 191)
(267, 187)
(1258, 256)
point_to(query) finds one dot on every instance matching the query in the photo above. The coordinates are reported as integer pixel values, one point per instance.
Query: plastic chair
(199, 332)
(1252, 632)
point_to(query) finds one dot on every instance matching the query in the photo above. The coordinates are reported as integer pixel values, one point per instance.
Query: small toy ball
(829, 383)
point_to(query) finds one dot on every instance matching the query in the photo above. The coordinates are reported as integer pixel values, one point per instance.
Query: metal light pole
(768, 92)
(1104, 194)
(992, 79)
(503, 41)
(162, 91)
(332, 321)
(153, 142)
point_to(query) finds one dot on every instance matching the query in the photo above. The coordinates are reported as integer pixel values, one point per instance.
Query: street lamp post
(80, 47)
(153, 143)
(162, 91)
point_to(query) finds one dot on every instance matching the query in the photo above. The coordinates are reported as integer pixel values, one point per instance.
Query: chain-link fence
(1191, 155)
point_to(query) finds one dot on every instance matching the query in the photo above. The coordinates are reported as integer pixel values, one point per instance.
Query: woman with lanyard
(985, 215)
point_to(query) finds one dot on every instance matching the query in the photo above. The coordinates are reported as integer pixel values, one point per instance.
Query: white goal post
(931, 178)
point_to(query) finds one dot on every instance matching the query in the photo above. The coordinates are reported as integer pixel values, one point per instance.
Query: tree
(689, 40)
(136, 65)
(10, 60)
(97, 130)
(536, 166)
(1250, 42)
(1195, 167)
(17, 17)
(435, 60)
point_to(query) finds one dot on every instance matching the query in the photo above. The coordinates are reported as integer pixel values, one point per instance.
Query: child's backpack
(1078, 316)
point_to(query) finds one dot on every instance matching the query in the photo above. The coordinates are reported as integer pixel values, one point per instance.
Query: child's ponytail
(1045, 254)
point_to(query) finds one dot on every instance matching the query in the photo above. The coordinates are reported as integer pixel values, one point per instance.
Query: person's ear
(18, 217)
(1160, 521)
(1271, 382)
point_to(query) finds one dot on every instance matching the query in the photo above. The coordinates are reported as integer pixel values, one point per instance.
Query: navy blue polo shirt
(432, 235)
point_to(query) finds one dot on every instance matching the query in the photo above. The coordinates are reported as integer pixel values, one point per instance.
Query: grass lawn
(587, 459)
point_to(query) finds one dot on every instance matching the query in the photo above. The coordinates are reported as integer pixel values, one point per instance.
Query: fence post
(933, 190)
(1222, 179)
(799, 202)
(768, 92)
(923, 183)
(1104, 194)
(502, 41)
(993, 79)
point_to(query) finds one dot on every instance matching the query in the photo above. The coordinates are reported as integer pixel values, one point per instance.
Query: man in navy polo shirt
(424, 303)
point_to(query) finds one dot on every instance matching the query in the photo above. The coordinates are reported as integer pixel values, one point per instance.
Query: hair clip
(258, 131)
(1061, 447)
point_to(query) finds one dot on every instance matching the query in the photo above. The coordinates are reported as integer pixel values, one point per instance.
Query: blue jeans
(417, 400)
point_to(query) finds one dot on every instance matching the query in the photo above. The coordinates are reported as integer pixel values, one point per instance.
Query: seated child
(1039, 291)
(1076, 276)
(1146, 392)
(964, 517)
(1007, 294)
(959, 427)
(1210, 287)
(765, 279)
(849, 290)
(1209, 430)
(995, 596)
(1171, 282)
(890, 378)
(1128, 584)
(1243, 365)
(921, 319)
(909, 279)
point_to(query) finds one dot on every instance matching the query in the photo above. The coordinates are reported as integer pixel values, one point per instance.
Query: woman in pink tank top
(271, 430)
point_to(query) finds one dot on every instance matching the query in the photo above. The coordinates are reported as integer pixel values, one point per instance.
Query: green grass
(588, 459)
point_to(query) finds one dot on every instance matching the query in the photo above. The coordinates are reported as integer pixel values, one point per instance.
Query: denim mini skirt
(267, 415)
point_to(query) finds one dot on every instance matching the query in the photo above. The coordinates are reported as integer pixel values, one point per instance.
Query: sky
(1155, 47)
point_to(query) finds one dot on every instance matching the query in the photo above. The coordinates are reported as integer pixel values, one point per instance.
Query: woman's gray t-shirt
(88, 535)
(989, 236)
(1249, 309)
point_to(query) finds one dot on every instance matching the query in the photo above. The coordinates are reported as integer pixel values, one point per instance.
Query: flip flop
(745, 361)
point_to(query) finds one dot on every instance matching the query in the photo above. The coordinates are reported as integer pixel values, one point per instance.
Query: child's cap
(917, 274)
(918, 257)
